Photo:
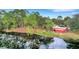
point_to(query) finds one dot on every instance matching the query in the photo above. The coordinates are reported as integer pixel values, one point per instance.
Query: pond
(58, 44)
(35, 42)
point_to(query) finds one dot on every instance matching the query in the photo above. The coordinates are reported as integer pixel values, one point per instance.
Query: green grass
(41, 32)
(46, 34)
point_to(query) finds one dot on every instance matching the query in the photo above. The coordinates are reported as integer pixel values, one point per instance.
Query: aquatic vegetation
(34, 41)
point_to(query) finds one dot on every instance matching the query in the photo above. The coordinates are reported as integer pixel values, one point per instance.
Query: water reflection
(57, 44)
(43, 46)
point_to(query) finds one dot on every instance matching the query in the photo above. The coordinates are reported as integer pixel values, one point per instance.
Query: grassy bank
(69, 36)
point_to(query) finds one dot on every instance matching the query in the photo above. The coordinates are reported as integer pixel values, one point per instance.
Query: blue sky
(53, 13)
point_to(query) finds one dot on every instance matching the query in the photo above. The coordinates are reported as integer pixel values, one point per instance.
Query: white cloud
(75, 13)
(63, 10)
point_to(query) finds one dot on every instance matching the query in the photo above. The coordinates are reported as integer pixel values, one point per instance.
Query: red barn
(60, 29)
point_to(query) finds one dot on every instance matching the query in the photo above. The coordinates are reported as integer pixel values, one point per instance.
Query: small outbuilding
(60, 29)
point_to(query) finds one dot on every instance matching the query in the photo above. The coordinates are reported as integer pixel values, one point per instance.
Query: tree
(33, 19)
(58, 21)
(41, 22)
(19, 14)
(75, 22)
(67, 21)
(2, 13)
(5, 21)
(59, 18)
(49, 24)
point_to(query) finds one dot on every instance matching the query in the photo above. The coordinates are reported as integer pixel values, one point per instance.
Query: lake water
(57, 43)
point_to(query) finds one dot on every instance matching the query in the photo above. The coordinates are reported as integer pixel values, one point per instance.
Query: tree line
(72, 22)
(22, 18)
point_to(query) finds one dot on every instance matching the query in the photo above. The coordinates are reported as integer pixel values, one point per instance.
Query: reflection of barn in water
(60, 29)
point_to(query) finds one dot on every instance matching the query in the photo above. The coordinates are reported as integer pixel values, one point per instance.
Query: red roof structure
(60, 29)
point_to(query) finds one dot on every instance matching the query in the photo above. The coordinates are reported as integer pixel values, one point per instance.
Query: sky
(53, 13)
